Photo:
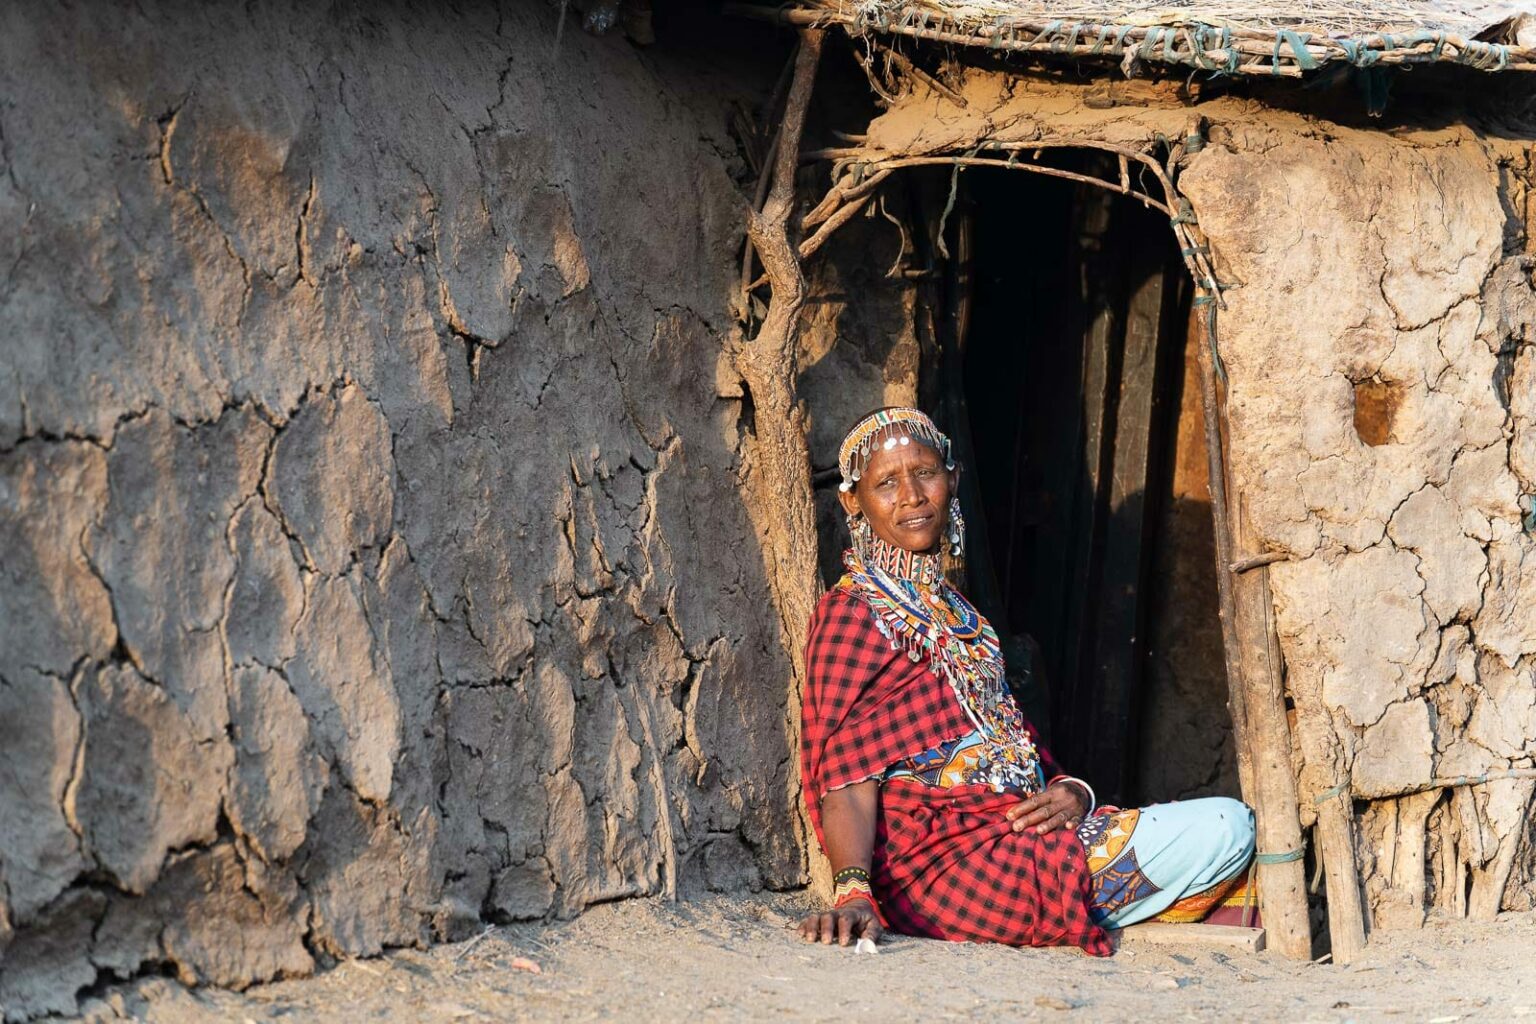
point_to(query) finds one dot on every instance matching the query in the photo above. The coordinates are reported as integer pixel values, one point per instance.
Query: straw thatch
(1254, 39)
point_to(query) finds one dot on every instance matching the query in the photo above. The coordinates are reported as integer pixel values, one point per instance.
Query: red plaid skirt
(947, 864)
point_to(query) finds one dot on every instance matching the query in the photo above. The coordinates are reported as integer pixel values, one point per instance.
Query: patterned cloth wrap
(887, 699)
(1180, 862)
(947, 863)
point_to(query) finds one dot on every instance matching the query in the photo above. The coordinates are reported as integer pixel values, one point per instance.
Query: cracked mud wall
(1380, 359)
(374, 557)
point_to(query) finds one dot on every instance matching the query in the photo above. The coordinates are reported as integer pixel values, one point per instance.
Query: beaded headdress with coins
(900, 426)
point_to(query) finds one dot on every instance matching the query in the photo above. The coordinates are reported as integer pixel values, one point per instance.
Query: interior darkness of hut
(1066, 321)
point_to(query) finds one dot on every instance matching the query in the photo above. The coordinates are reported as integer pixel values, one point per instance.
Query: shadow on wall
(375, 558)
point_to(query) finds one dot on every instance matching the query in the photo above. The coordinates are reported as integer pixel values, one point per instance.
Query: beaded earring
(861, 536)
(956, 529)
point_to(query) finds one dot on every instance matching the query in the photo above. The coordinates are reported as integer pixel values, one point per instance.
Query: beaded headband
(902, 425)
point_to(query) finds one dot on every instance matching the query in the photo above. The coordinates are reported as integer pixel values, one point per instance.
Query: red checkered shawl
(947, 864)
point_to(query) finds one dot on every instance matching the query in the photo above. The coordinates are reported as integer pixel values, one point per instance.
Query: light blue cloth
(1175, 850)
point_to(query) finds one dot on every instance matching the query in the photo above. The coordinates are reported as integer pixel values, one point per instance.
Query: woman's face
(904, 493)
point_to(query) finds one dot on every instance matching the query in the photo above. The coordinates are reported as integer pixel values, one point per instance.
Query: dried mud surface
(722, 959)
(376, 556)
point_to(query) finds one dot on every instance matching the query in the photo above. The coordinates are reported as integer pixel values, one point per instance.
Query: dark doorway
(1069, 312)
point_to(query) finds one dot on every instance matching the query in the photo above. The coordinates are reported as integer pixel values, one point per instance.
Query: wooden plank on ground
(1205, 936)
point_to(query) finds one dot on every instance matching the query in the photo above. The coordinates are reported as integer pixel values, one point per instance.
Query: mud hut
(1153, 258)
(408, 493)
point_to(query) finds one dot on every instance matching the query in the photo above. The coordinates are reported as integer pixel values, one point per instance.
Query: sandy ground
(736, 959)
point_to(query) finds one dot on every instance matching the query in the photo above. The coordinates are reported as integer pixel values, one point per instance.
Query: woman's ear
(850, 502)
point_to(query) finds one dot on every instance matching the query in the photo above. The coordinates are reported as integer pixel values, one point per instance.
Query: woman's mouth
(915, 522)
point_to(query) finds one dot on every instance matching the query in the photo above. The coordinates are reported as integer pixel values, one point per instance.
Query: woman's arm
(848, 820)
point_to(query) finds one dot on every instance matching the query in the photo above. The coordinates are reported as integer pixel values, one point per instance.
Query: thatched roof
(1232, 38)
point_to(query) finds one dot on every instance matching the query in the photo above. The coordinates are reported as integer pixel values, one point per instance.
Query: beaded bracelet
(849, 874)
(852, 887)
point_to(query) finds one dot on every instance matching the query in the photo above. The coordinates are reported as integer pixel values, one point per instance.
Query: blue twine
(1329, 794)
(1050, 28)
(1148, 48)
(1358, 54)
(1279, 858)
(1484, 56)
(1298, 44)
(1065, 44)
(1420, 38)
(1217, 363)
(1203, 38)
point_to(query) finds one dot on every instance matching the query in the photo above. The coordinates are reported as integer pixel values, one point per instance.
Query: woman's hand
(1061, 805)
(845, 925)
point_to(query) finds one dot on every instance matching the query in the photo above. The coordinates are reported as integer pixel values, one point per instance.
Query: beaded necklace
(917, 611)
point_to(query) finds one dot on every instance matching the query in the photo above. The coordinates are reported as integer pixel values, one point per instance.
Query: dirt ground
(736, 959)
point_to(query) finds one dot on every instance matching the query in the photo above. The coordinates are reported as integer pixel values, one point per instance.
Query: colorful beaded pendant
(920, 613)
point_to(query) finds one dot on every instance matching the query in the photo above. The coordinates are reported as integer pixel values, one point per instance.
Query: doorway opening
(1066, 352)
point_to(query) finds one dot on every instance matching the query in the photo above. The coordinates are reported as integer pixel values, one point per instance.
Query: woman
(940, 814)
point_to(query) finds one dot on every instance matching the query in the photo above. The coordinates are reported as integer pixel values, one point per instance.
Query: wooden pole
(777, 460)
(1346, 912)
(1261, 733)
(1226, 603)
(1282, 882)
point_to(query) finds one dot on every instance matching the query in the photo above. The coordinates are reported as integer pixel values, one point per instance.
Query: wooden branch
(1277, 814)
(1191, 244)
(1253, 562)
(838, 215)
(1261, 733)
(757, 204)
(837, 220)
(903, 62)
(840, 205)
(760, 194)
(777, 460)
(838, 195)
(1455, 782)
(1226, 603)
(1346, 912)
(1053, 172)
